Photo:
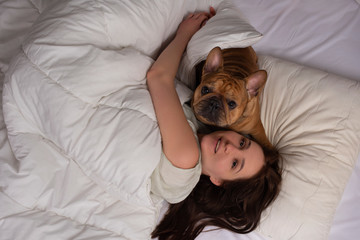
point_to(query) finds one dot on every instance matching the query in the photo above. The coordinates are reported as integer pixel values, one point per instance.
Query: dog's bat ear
(214, 61)
(255, 83)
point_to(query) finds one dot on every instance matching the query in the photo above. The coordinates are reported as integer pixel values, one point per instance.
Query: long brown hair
(235, 205)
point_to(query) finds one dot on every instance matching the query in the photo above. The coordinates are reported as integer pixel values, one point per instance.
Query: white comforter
(79, 117)
(82, 127)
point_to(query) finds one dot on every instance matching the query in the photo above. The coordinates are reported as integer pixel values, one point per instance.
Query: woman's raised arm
(179, 143)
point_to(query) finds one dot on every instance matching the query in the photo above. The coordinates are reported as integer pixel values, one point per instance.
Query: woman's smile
(244, 144)
(217, 145)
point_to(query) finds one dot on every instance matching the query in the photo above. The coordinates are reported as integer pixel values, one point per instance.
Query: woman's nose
(229, 147)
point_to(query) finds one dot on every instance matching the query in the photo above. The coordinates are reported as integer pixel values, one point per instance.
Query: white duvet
(82, 127)
(79, 117)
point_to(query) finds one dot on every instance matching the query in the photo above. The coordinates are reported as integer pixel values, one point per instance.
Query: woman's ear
(216, 181)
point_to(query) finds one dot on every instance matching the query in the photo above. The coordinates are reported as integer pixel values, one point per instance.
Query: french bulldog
(228, 91)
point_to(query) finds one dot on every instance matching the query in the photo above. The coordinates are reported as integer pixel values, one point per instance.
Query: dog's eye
(205, 90)
(232, 104)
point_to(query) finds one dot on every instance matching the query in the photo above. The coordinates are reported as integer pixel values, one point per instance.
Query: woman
(239, 178)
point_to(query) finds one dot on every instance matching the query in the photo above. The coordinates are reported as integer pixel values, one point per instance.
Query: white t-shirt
(171, 183)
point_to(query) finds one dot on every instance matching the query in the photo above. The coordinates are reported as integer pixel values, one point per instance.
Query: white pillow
(312, 117)
(228, 28)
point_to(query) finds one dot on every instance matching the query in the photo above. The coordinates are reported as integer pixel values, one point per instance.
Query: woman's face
(227, 155)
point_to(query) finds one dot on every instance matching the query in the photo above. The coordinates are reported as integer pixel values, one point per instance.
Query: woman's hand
(193, 22)
(168, 61)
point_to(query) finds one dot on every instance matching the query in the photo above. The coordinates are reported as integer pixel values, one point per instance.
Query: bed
(79, 137)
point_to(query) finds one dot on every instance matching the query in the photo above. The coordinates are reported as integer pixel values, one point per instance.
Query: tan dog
(228, 93)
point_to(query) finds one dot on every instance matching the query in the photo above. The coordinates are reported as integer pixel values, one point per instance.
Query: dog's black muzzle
(212, 109)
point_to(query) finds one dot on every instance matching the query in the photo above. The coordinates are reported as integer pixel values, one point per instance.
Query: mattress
(322, 35)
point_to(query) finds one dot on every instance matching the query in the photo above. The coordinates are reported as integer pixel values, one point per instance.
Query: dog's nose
(211, 109)
(214, 103)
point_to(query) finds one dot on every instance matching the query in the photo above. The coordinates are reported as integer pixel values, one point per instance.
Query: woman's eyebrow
(242, 165)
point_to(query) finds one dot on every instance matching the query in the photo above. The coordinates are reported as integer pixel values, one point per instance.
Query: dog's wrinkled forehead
(223, 83)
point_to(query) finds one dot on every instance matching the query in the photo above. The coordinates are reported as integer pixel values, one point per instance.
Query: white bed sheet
(323, 34)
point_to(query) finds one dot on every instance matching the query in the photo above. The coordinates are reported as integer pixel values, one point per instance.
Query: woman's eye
(242, 143)
(234, 164)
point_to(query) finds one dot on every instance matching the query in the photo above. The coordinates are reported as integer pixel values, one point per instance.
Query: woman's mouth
(217, 145)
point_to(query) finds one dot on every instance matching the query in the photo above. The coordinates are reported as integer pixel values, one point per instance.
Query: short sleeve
(172, 183)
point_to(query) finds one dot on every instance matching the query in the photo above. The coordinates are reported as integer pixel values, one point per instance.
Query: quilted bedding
(81, 124)
(79, 117)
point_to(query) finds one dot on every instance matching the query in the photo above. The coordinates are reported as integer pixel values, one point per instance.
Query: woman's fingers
(194, 21)
(209, 14)
(203, 16)
(212, 11)
(190, 15)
